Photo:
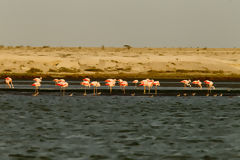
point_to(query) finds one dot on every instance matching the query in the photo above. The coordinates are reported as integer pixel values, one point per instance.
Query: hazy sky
(139, 23)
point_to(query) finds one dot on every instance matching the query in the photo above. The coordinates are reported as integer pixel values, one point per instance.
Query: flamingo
(186, 83)
(120, 81)
(98, 85)
(56, 81)
(95, 84)
(156, 83)
(8, 81)
(146, 83)
(149, 85)
(209, 84)
(124, 84)
(135, 82)
(63, 86)
(198, 82)
(86, 84)
(36, 85)
(110, 83)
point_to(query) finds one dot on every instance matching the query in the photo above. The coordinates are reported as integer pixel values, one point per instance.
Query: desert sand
(123, 62)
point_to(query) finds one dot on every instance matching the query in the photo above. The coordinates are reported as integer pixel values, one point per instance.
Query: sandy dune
(134, 61)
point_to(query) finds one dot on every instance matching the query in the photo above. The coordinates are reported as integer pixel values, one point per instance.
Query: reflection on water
(116, 127)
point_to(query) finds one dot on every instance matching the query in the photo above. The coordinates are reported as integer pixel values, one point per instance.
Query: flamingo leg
(8, 85)
(94, 91)
(85, 91)
(110, 90)
(144, 90)
(12, 85)
(155, 89)
(37, 91)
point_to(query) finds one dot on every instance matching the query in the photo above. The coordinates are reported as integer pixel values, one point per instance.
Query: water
(49, 127)
(76, 84)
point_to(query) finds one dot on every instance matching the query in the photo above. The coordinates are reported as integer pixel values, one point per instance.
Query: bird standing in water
(36, 85)
(209, 85)
(95, 85)
(110, 83)
(8, 81)
(86, 83)
(156, 83)
(147, 83)
(198, 83)
(124, 84)
(135, 82)
(63, 85)
(186, 83)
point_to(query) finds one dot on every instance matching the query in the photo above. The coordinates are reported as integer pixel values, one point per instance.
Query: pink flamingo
(110, 83)
(146, 83)
(124, 84)
(8, 81)
(95, 84)
(63, 85)
(56, 81)
(186, 83)
(209, 84)
(86, 84)
(198, 83)
(120, 81)
(135, 82)
(156, 83)
(36, 85)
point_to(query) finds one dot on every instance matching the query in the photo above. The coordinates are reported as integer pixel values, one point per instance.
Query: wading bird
(186, 83)
(56, 81)
(95, 85)
(110, 83)
(198, 83)
(36, 85)
(63, 85)
(209, 85)
(124, 84)
(156, 83)
(146, 83)
(86, 84)
(135, 82)
(8, 81)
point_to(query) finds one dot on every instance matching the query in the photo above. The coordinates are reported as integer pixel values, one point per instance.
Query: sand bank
(76, 62)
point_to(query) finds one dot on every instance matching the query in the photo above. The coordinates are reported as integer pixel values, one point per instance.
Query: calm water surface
(51, 127)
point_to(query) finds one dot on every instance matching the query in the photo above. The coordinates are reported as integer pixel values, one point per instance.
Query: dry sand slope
(151, 62)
